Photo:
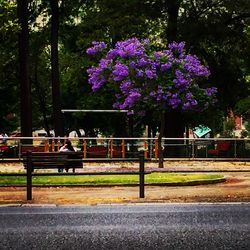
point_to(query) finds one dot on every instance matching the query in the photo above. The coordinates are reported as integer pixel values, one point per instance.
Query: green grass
(108, 179)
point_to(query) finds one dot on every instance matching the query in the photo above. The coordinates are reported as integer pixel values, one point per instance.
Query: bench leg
(29, 177)
(60, 170)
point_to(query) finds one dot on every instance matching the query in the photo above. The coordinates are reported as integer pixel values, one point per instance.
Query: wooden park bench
(53, 160)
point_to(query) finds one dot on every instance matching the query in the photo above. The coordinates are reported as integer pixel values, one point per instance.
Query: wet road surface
(130, 226)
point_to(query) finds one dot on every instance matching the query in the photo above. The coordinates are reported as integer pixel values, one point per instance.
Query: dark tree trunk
(131, 126)
(174, 128)
(174, 124)
(41, 98)
(172, 10)
(25, 86)
(57, 114)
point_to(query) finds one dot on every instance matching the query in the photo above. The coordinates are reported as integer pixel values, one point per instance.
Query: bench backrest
(43, 160)
(26, 148)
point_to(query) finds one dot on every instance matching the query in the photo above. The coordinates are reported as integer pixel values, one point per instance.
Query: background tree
(56, 97)
(9, 104)
(25, 87)
(143, 79)
(216, 31)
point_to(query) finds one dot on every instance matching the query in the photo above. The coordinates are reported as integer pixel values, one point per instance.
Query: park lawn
(109, 179)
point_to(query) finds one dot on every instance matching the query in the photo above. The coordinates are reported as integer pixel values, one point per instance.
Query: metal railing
(110, 148)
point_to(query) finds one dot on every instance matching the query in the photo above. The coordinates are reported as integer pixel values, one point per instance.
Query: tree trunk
(25, 86)
(41, 98)
(57, 114)
(174, 123)
(173, 10)
(174, 128)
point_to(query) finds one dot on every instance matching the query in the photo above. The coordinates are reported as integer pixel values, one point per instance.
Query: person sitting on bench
(67, 147)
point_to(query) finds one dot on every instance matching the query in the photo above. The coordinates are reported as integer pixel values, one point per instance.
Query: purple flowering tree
(143, 79)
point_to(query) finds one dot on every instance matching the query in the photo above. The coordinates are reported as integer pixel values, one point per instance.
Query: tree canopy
(214, 30)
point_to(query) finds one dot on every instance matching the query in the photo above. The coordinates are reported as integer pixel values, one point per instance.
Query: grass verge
(109, 179)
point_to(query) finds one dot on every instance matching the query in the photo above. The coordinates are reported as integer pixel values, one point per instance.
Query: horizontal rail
(125, 138)
(127, 148)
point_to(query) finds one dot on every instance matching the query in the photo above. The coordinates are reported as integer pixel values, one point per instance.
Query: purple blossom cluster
(97, 46)
(141, 75)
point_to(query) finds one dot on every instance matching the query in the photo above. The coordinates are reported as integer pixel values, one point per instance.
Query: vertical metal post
(46, 145)
(111, 149)
(29, 175)
(235, 148)
(156, 148)
(58, 144)
(141, 174)
(53, 145)
(193, 148)
(123, 148)
(145, 149)
(84, 149)
(19, 149)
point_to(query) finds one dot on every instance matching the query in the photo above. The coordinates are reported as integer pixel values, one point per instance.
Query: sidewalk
(235, 189)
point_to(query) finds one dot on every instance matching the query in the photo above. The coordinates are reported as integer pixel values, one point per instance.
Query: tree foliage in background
(216, 31)
(9, 103)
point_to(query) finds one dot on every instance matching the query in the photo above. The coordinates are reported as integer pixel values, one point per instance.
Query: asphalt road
(135, 226)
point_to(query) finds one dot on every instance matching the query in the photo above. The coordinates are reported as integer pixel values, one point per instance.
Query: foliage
(229, 127)
(8, 61)
(243, 106)
(216, 31)
(8, 19)
(143, 79)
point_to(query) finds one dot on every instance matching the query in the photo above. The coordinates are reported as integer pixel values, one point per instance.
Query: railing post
(19, 149)
(29, 175)
(46, 145)
(141, 174)
(84, 149)
(235, 148)
(145, 149)
(193, 148)
(123, 148)
(111, 148)
(58, 144)
(156, 148)
(53, 145)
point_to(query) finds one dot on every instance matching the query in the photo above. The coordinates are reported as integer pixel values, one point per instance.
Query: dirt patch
(232, 181)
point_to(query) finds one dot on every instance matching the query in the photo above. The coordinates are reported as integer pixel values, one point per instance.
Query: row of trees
(52, 36)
